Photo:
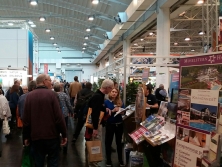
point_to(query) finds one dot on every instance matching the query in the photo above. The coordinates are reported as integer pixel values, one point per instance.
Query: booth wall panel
(22, 62)
(8, 34)
(22, 48)
(8, 61)
(9, 48)
(22, 34)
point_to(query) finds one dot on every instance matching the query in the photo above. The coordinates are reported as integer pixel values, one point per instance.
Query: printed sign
(95, 150)
(190, 147)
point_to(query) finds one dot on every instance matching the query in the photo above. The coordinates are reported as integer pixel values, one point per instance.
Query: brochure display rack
(198, 140)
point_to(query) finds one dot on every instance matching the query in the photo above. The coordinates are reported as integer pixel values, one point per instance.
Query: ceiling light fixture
(59, 51)
(52, 38)
(182, 14)
(141, 39)
(200, 2)
(57, 48)
(10, 24)
(83, 48)
(88, 29)
(175, 43)
(187, 39)
(192, 50)
(135, 44)
(201, 33)
(86, 37)
(33, 25)
(47, 30)
(91, 18)
(30, 22)
(33, 2)
(95, 2)
(85, 44)
(54, 44)
(151, 33)
(42, 19)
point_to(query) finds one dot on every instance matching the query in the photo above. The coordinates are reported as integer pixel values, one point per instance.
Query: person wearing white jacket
(4, 112)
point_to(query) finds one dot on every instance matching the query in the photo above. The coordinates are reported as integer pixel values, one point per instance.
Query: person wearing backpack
(81, 107)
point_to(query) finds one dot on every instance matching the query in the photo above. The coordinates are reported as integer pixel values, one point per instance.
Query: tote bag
(5, 127)
(89, 123)
(94, 151)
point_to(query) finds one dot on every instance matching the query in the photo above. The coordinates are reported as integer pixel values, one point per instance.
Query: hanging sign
(145, 75)
(46, 68)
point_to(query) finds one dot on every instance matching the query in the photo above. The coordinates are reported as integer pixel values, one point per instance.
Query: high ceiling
(67, 19)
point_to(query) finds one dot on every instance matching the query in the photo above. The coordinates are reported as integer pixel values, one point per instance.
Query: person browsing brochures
(114, 126)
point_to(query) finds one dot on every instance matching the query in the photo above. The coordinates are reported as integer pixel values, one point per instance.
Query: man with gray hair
(160, 94)
(43, 122)
(97, 104)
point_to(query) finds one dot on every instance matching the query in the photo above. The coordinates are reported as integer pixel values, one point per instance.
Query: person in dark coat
(43, 123)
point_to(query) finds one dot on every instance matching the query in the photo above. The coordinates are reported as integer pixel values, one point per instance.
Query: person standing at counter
(151, 101)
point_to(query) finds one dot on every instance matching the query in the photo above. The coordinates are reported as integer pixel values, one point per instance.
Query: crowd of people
(44, 108)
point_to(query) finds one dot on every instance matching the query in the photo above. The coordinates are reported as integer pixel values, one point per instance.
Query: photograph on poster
(183, 118)
(197, 139)
(163, 109)
(184, 104)
(174, 96)
(202, 77)
(172, 111)
(184, 93)
(203, 116)
(183, 134)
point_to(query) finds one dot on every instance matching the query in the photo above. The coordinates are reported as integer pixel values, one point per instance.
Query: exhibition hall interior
(148, 73)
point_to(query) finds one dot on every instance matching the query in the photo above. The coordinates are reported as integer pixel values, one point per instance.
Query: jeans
(112, 129)
(80, 123)
(50, 147)
(13, 122)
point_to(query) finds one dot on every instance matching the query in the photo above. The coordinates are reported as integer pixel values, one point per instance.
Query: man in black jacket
(97, 105)
(81, 108)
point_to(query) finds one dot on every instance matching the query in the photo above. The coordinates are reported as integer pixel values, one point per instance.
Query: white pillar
(102, 64)
(111, 58)
(163, 46)
(126, 73)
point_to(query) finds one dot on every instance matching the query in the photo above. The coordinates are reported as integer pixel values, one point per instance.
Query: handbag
(94, 149)
(89, 123)
(26, 157)
(5, 127)
(19, 121)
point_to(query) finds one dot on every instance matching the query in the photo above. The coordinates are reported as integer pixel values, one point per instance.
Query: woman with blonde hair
(114, 125)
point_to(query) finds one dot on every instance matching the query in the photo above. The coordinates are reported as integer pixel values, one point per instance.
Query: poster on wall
(190, 147)
(204, 107)
(197, 108)
(174, 82)
(203, 72)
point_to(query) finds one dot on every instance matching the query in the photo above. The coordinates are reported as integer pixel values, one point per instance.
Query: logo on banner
(212, 59)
